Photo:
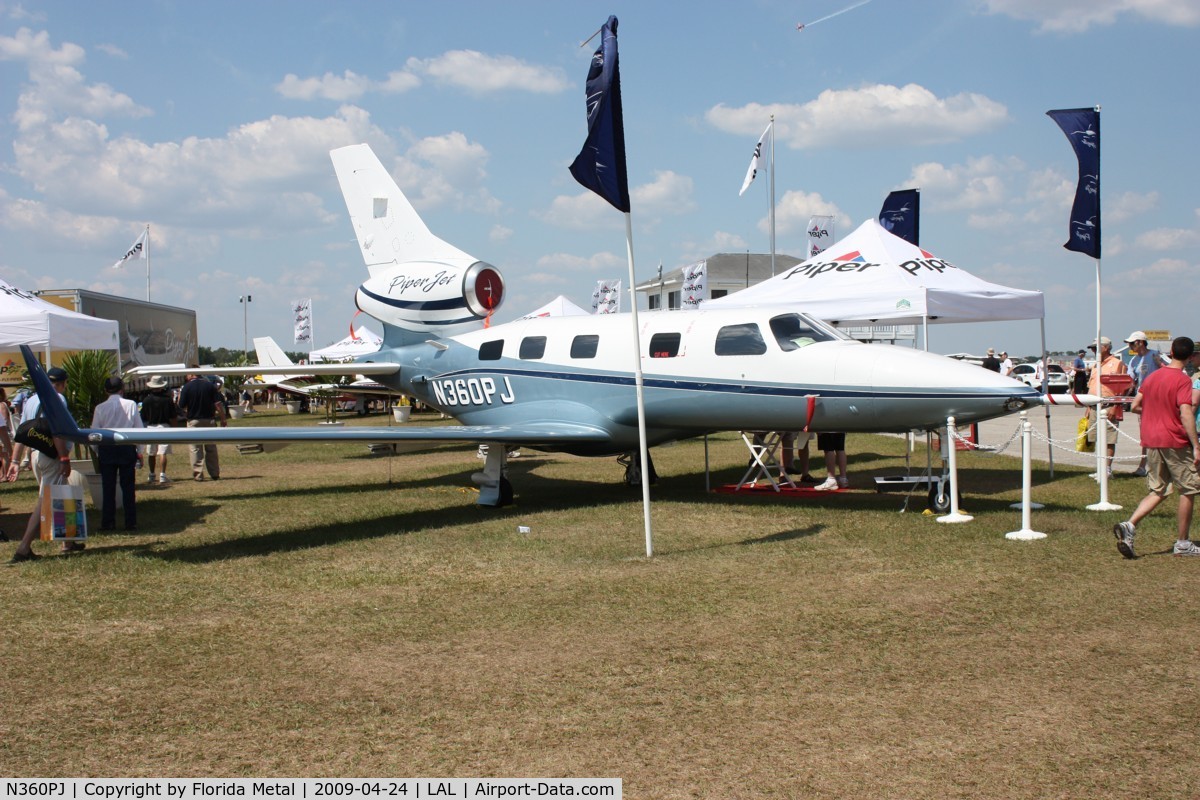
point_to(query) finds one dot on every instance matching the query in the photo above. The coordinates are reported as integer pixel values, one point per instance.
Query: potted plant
(402, 410)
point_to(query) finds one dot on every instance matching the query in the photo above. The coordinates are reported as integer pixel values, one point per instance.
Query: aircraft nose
(945, 387)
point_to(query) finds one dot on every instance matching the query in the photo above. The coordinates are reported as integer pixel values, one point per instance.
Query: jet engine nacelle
(437, 297)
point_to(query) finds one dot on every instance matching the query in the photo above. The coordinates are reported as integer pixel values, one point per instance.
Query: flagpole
(771, 209)
(643, 449)
(147, 251)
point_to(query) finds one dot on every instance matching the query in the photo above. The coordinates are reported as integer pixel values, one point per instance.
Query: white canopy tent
(364, 342)
(29, 320)
(558, 307)
(873, 275)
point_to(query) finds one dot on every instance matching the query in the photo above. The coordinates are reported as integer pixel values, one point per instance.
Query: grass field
(323, 612)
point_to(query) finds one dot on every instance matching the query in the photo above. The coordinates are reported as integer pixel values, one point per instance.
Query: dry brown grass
(307, 617)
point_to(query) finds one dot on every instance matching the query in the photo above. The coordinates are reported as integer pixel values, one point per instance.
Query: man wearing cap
(200, 400)
(1006, 365)
(117, 460)
(1106, 364)
(1142, 365)
(158, 411)
(990, 361)
(49, 470)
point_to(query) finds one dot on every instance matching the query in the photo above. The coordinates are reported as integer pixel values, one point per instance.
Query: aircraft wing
(532, 434)
(351, 368)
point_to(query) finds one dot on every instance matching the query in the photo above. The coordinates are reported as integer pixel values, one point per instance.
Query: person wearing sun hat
(1106, 364)
(158, 411)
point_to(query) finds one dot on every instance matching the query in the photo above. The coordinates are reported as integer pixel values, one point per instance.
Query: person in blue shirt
(1142, 365)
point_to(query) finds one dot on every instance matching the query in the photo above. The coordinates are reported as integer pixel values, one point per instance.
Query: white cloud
(1167, 239)
(878, 115)
(586, 211)
(1129, 205)
(1076, 16)
(794, 209)
(668, 193)
(446, 170)
(113, 50)
(979, 183)
(56, 88)
(478, 72)
(345, 87)
(719, 242)
(557, 266)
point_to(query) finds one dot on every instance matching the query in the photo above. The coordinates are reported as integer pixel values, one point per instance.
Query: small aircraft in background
(567, 383)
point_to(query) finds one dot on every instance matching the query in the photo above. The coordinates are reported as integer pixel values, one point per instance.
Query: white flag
(755, 163)
(820, 234)
(695, 286)
(607, 298)
(137, 250)
(302, 318)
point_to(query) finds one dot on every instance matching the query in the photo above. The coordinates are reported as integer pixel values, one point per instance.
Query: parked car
(1056, 377)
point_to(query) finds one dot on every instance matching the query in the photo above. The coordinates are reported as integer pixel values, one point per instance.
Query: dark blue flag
(1082, 127)
(600, 165)
(901, 214)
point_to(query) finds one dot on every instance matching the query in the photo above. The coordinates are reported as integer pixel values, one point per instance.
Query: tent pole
(1045, 389)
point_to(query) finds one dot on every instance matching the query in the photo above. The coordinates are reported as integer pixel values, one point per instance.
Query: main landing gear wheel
(506, 493)
(633, 468)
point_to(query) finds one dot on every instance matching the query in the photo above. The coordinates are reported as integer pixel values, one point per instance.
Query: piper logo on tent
(850, 262)
(929, 262)
(903, 305)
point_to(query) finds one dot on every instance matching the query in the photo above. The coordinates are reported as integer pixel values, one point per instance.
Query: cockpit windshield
(794, 331)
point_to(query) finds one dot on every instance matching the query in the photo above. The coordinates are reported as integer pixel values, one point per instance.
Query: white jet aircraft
(567, 383)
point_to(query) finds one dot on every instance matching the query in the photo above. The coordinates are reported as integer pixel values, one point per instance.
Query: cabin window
(584, 346)
(491, 351)
(532, 347)
(793, 331)
(713, 294)
(740, 340)
(665, 345)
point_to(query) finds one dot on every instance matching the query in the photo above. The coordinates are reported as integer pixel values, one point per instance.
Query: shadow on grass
(538, 493)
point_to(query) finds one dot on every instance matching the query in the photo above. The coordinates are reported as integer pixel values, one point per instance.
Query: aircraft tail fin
(388, 228)
(270, 354)
(61, 423)
(420, 287)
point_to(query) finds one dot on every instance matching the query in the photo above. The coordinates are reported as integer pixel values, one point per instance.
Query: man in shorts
(1172, 452)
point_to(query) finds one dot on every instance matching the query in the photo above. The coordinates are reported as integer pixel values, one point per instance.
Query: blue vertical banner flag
(1082, 127)
(901, 214)
(600, 165)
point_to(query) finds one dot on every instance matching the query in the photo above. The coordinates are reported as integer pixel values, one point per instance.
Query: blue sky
(212, 122)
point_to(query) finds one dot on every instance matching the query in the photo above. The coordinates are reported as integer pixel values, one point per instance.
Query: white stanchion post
(1026, 533)
(952, 462)
(1026, 467)
(1102, 462)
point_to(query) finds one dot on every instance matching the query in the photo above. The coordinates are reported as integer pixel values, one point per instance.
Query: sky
(212, 122)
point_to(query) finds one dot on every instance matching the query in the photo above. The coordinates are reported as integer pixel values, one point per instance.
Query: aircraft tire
(506, 493)
(939, 498)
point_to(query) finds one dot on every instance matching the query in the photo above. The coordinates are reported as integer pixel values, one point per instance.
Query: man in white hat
(158, 411)
(990, 361)
(1106, 364)
(1142, 365)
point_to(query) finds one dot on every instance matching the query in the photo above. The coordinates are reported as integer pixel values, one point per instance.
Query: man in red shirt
(1172, 452)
